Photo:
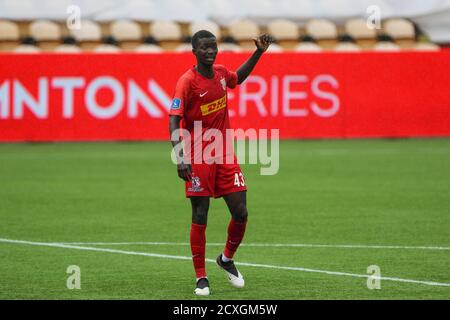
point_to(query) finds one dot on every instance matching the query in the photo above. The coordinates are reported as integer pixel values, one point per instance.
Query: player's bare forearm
(184, 170)
(174, 124)
(262, 43)
(247, 67)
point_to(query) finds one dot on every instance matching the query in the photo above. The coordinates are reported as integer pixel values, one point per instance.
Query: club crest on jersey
(196, 187)
(223, 82)
(176, 103)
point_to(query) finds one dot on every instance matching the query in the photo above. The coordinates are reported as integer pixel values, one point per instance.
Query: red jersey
(198, 98)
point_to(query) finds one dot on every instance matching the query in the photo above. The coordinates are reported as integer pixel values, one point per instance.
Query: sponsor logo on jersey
(176, 104)
(214, 106)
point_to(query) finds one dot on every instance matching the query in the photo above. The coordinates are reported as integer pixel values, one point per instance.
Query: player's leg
(198, 190)
(230, 185)
(200, 206)
(237, 204)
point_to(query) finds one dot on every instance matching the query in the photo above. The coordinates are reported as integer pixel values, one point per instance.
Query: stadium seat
(308, 47)
(426, 46)
(145, 48)
(167, 33)
(25, 48)
(364, 36)
(9, 35)
(89, 35)
(347, 44)
(274, 47)
(127, 32)
(69, 45)
(67, 48)
(402, 31)
(308, 44)
(47, 33)
(324, 31)
(386, 43)
(228, 44)
(229, 47)
(107, 48)
(243, 31)
(285, 32)
(347, 47)
(205, 25)
(109, 45)
(186, 46)
(386, 46)
(28, 45)
(149, 45)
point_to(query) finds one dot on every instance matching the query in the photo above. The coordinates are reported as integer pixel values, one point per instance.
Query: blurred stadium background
(151, 25)
(335, 207)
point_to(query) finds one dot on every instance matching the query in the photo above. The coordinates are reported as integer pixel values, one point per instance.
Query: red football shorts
(215, 180)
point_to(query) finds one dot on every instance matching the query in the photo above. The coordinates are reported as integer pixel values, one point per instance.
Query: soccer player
(201, 95)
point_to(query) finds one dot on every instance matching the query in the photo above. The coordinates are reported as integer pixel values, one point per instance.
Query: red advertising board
(85, 97)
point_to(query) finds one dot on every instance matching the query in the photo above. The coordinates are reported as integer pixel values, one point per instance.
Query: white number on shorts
(239, 179)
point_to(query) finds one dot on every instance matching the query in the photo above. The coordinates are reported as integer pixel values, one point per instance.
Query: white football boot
(234, 276)
(202, 287)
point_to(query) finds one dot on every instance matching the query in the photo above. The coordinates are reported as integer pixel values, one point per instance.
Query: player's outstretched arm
(184, 169)
(262, 44)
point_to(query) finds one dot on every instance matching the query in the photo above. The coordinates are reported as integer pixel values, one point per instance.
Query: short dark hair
(200, 35)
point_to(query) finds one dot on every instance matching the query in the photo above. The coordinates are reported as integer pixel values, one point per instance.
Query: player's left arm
(262, 44)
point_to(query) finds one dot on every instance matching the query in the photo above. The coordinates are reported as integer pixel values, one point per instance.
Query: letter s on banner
(335, 103)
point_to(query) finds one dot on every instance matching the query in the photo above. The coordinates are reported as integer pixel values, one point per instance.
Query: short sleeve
(232, 79)
(180, 97)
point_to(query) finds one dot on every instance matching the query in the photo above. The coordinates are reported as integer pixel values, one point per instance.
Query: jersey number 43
(239, 179)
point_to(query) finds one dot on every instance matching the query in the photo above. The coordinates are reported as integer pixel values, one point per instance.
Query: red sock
(198, 241)
(236, 232)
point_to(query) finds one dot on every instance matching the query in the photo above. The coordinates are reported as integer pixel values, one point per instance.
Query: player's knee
(200, 208)
(199, 216)
(240, 213)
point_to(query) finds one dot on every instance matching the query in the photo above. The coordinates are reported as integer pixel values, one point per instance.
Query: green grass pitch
(344, 192)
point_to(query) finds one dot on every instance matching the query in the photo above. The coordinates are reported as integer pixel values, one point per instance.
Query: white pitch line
(267, 266)
(67, 246)
(304, 245)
